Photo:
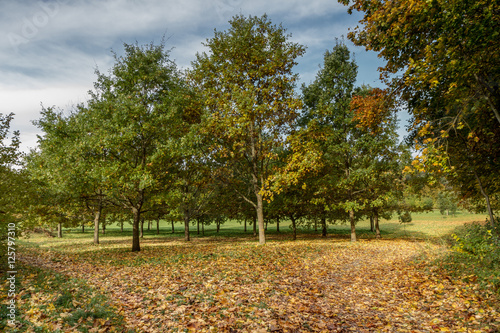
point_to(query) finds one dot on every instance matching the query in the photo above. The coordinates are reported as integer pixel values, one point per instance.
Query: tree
(343, 148)
(374, 112)
(65, 175)
(129, 127)
(248, 88)
(13, 184)
(443, 59)
(341, 153)
(9, 157)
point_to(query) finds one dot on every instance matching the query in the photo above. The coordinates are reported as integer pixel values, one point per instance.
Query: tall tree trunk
(372, 224)
(375, 220)
(294, 227)
(323, 224)
(256, 174)
(136, 247)
(487, 198)
(121, 226)
(245, 224)
(278, 224)
(265, 227)
(158, 225)
(59, 230)
(83, 228)
(260, 218)
(97, 220)
(353, 225)
(217, 223)
(255, 225)
(142, 228)
(202, 228)
(315, 225)
(173, 230)
(103, 223)
(149, 225)
(186, 227)
(198, 225)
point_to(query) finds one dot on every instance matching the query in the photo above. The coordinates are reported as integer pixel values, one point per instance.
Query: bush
(478, 240)
(476, 252)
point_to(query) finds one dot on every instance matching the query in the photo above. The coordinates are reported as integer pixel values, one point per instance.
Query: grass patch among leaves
(48, 301)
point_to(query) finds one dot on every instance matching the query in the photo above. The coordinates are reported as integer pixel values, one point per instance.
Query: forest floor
(232, 284)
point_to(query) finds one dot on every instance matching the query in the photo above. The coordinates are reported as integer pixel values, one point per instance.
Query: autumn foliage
(372, 110)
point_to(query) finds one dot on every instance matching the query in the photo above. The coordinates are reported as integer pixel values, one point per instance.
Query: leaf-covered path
(302, 286)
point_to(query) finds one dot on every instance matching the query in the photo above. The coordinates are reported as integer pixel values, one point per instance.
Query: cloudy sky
(49, 49)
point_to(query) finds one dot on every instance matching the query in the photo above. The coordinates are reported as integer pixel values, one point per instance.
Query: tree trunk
(121, 226)
(97, 220)
(142, 228)
(294, 227)
(173, 230)
(136, 247)
(186, 226)
(83, 228)
(255, 225)
(245, 224)
(267, 221)
(59, 230)
(158, 226)
(217, 223)
(375, 220)
(203, 228)
(323, 224)
(487, 198)
(353, 225)
(149, 225)
(198, 225)
(315, 225)
(278, 224)
(103, 223)
(372, 224)
(260, 218)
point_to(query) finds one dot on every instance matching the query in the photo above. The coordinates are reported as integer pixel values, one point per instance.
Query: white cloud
(49, 49)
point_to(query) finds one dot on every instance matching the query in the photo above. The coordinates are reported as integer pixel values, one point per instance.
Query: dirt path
(303, 286)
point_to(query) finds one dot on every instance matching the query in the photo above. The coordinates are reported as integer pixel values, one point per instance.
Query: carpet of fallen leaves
(319, 285)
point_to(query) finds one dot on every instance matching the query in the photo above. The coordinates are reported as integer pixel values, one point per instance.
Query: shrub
(476, 252)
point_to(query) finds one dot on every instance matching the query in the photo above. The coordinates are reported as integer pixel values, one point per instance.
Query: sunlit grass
(423, 226)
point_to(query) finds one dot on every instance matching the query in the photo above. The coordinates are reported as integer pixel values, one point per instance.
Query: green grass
(423, 226)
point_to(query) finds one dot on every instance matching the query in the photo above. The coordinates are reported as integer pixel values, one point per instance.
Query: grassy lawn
(226, 282)
(423, 226)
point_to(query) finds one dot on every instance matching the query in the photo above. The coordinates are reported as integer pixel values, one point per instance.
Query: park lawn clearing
(311, 285)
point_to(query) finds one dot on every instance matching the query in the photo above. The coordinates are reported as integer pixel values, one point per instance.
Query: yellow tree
(248, 88)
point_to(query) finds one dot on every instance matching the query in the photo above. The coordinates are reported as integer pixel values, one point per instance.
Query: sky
(49, 50)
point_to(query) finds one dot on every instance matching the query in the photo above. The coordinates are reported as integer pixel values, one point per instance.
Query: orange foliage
(372, 111)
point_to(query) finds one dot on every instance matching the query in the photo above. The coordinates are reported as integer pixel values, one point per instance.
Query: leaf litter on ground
(319, 285)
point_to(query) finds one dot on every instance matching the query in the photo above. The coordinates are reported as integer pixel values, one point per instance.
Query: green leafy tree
(13, 184)
(130, 126)
(66, 177)
(345, 153)
(9, 158)
(248, 88)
